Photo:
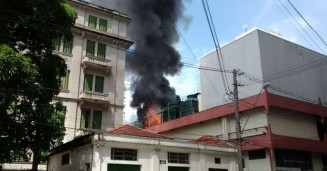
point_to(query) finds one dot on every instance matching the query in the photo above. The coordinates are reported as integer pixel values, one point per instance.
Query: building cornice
(110, 12)
(101, 36)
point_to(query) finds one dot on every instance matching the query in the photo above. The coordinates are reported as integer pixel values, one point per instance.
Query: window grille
(123, 154)
(181, 158)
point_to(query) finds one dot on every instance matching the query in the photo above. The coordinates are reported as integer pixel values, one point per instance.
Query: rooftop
(98, 7)
(265, 100)
(134, 131)
(208, 139)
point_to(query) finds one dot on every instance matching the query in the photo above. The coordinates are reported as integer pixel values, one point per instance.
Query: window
(173, 168)
(56, 44)
(90, 48)
(68, 45)
(101, 50)
(97, 119)
(85, 118)
(92, 21)
(86, 121)
(88, 81)
(103, 25)
(257, 154)
(217, 160)
(123, 154)
(99, 81)
(178, 158)
(65, 159)
(65, 81)
(88, 166)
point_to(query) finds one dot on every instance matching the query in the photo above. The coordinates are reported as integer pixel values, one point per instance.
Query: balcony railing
(96, 62)
(97, 97)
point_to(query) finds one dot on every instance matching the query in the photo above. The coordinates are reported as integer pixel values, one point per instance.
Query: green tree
(29, 119)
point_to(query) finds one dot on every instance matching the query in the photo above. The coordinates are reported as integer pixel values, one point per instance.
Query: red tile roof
(208, 139)
(134, 131)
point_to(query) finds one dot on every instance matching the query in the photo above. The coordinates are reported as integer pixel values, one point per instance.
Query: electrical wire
(205, 73)
(217, 40)
(307, 22)
(297, 29)
(301, 27)
(216, 46)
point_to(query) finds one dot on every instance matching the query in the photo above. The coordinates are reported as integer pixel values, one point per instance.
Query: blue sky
(229, 17)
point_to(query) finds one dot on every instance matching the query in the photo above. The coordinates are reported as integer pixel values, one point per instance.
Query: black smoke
(153, 31)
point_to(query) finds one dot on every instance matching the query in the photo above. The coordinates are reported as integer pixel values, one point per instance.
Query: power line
(280, 89)
(205, 73)
(301, 34)
(217, 40)
(301, 26)
(307, 23)
(216, 46)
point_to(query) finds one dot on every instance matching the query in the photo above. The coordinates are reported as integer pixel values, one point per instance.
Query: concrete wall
(148, 158)
(279, 55)
(293, 124)
(244, 54)
(258, 164)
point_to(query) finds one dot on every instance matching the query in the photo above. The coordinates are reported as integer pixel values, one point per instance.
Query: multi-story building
(283, 125)
(93, 89)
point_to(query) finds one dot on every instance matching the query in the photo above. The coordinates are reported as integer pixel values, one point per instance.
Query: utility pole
(237, 122)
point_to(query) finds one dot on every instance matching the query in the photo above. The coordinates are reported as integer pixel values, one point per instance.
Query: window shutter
(65, 81)
(97, 119)
(99, 81)
(88, 80)
(103, 25)
(101, 50)
(92, 21)
(90, 48)
(68, 44)
(85, 118)
(56, 44)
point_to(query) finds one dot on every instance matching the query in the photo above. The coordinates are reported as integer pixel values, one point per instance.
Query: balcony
(99, 98)
(94, 62)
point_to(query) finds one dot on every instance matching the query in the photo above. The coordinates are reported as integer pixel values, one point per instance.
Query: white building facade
(112, 152)
(93, 89)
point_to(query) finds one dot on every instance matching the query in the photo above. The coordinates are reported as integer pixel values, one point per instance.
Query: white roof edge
(237, 38)
(259, 29)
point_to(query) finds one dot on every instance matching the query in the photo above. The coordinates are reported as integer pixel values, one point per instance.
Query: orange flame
(152, 117)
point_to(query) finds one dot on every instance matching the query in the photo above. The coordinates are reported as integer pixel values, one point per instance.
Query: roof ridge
(151, 134)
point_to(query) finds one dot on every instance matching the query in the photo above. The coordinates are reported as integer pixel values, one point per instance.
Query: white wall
(293, 124)
(279, 55)
(223, 129)
(244, 54)
(258, 164)
(261, 55)
(148, 158)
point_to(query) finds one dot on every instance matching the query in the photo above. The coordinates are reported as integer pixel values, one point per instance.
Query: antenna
(245, 27)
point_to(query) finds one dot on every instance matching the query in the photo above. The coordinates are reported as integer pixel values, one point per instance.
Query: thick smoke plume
(153, 56)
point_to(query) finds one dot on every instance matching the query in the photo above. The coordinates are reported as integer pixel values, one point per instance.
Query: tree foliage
(30, 76)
